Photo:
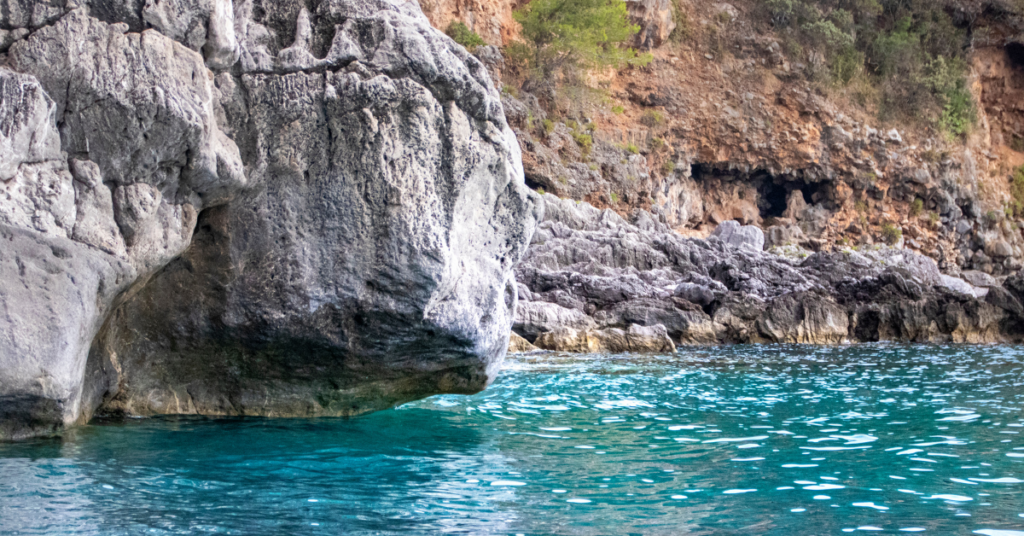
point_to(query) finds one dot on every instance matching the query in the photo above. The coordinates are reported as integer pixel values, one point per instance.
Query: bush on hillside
(911, 50)
(566, 38)
(462, 35)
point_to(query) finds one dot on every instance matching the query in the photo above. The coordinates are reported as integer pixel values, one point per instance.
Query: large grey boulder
(273, 208)
(371, 262)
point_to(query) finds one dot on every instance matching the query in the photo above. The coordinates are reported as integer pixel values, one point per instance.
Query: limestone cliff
(729, 122)
(273, 208)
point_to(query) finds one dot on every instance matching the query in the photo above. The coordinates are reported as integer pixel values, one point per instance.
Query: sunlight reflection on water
(728, 440)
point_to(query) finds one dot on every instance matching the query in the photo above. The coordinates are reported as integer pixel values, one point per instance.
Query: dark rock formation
(590, 271)
(277, 209)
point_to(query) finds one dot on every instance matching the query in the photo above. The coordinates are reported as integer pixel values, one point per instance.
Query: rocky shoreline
(308, 209)
(593, 282)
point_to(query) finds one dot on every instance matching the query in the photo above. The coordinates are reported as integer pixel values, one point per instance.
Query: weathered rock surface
(274, 209)
(92, 208)
(605, 276)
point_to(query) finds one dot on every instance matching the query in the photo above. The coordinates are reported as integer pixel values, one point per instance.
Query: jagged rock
(370, 263)
(621, 274)
(519, 345)
(132, 104)
(784, 235)
(655, 19)
(351, 246)
(979, 279)
(733, 234)
(534, 318)
(804, 318)
(638, 339)
(959, 285)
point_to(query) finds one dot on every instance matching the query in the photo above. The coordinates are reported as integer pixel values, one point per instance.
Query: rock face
(273, 209)
(590, 276)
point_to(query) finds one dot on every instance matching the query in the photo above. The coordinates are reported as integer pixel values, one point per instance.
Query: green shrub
(682, 30)
(657, 143)
(846, 65)
(652, 118)
(510, 90)
(633, 149)
(569, 37)
(585, 141)
(668, 167)
(1017, 192)
(916, 207)
(462, 35)
(933, 217)
(860, 206)
(948, 81)
(779, 11)
(540, 191)
(615, 197)
(618, 110)
(891, 234)
(549, 126)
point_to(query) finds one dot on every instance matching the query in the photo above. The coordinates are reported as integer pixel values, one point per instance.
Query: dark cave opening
(1015, 51)
(772, 190)
(532, 184)
(774, 195)
(773, 199)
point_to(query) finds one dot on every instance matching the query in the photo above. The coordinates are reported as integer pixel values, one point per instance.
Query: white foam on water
(870, 505)
(962, 481)
(746, 459)
(737, 491)
(821, 497)
(798, 510)
(833, 449)
(824, 487)
(578, 501)
(913, 529)
(948, 497)
(1003, 480)
(798, 465)
(994, 532)
(736, 439)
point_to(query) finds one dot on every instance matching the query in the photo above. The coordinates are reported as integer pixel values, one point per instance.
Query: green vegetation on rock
(1017, 192)
(909, 52)
(462, 35)
(891, 234)
(566, 38)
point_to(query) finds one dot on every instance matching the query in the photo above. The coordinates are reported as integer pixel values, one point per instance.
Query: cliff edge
(248, 208)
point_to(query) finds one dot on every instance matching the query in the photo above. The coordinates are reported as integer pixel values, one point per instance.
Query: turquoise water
(740, 440)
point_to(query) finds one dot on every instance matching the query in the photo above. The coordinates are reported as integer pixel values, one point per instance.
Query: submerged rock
(323, 226)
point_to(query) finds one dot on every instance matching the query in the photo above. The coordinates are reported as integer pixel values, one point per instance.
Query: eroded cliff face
(343, 173)
(724, 124)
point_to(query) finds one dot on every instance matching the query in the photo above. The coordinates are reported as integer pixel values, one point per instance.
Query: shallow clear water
(740, 440)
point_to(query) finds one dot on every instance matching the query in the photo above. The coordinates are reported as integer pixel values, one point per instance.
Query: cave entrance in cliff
(1015, 52)
(532, 184)
(775, 191)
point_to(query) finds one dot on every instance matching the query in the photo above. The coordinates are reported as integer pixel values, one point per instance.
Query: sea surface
(742, 440)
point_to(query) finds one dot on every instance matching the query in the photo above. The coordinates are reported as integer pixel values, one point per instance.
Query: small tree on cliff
(565, 38)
